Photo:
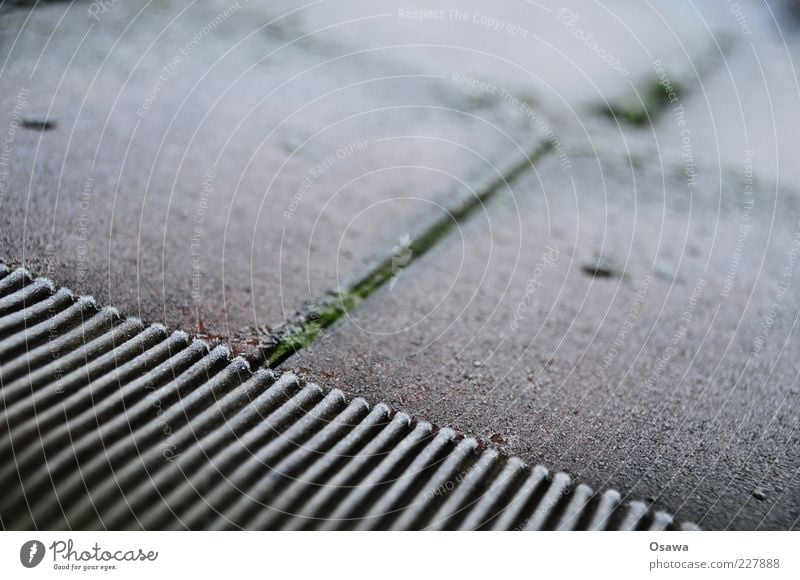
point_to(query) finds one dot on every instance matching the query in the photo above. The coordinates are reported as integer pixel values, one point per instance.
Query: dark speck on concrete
(601, 269)
(37, 124)
(759, 494)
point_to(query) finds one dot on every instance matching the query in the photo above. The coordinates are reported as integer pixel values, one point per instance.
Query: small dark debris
(760, 494)
(600, 270)
(497, 439)
(37, 124)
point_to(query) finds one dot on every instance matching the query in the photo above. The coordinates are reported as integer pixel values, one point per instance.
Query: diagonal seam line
(292, 337)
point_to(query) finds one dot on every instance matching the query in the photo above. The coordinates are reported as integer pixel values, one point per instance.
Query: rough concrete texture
(655, 354)
(608, 320)
(573, 61)
(578, 54)
(742, 105)
(731, 65)
(214, 169)
(306, 139)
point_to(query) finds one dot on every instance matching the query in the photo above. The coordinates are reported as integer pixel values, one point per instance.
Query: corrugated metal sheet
(110, 423)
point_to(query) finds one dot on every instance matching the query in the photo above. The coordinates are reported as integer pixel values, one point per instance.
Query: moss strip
(654, 101)
(297, 335)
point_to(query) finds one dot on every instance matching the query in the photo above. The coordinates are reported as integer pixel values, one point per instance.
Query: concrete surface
(214, 170)
(183, 178)
(117, 425)
(606, 320)
(744, 100)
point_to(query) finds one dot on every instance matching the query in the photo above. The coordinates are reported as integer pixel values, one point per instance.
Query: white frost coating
(87, 299)
(490, 453)
(448, 432)
(690, 527)
(403, 417)
(516, 463)
(541, 469)
(663, 517)
(221, 349)
(287, 378)
(361, 401)
(241, 361)
(338, 393)
(425, 426)
(264, 373)
(562, 478)
(47, 282)
(66, 291)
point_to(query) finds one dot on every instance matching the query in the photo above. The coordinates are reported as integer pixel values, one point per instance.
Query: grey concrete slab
(571, 60)
(184, 164)
(610, 320)
(575, 60)
(740, 112)
(213, 168)
(730, 103)
(577, 53)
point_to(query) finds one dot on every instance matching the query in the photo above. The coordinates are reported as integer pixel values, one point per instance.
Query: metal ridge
(110, 423)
